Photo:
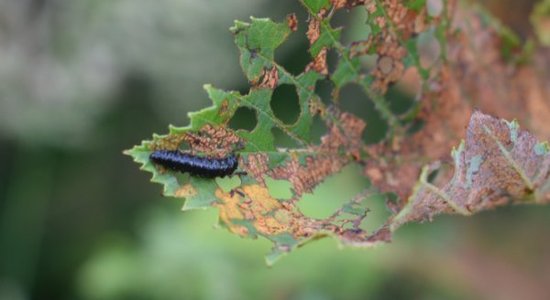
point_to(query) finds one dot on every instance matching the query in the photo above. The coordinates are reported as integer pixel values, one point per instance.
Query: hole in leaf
(400, 101)
(323, 89)
(377, 132)
(293, 54)
(337, 190)
(332, 60)
(340, 18)
(296, 62)
(354, 100)
(184, 146)
(284, 104)
(279, 10)
(433, 174)
(244, 118)
(415, 126)
(429, 48)
(282, 139)
(410, 83)
(378, 214)
(357, 29)
(318, 129)
(279, 189)
(244, 90)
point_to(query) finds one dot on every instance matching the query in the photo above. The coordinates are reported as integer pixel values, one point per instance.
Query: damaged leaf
(248, 208)
(497, 164)
(479, 65)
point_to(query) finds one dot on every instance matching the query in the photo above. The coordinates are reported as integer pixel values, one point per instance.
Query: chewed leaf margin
(247, 208)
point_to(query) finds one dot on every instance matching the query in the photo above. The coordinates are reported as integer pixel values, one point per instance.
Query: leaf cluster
(496, 164)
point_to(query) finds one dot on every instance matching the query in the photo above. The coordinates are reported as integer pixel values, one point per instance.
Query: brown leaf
(475, 75)
(319, 63)
(313, 30)
(292, 22)
(496, 165)
(270, 78)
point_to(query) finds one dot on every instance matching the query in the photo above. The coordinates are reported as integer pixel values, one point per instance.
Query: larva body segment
(207, 167)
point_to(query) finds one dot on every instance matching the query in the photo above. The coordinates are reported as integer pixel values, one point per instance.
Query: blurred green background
(81, 80)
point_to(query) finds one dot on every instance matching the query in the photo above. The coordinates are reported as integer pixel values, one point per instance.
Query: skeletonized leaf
(498, 164)
(246, 205)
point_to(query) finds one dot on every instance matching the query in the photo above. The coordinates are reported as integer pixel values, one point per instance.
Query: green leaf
(248, 208)
(327, 39)
(257, 42)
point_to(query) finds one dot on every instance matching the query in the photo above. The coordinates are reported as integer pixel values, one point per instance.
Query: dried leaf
(498, 164)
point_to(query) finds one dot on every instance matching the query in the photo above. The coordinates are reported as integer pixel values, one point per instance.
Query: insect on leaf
(497, 163)
(248, 208)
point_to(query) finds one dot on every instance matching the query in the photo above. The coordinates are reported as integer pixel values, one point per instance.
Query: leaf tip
(238, 25)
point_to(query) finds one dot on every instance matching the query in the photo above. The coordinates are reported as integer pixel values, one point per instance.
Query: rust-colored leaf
(498, 164)
(319, 63)
(270, 78)
(292, 22)
(345, 134)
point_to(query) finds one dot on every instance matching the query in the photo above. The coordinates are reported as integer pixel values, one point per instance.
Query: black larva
(206, 167)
